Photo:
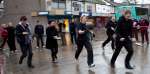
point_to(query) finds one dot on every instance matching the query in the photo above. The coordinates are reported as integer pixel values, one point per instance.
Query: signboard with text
(104, 9)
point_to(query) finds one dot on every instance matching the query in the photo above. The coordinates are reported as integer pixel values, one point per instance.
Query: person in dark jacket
(72, 27)
(123, 39)
(11, 38)
(51, 41)
(110, 26)
(39, 32)
(23, 37)
(144, 24)
(84, 40)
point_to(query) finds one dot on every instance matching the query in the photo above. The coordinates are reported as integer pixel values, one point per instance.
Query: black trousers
(26, 50)
(110, 38)
(128, 46)
(88, 46)
(11, 44)
(73, 38)
(39, 39)
(54, 52)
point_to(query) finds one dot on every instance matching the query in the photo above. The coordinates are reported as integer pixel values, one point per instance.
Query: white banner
(104, 9)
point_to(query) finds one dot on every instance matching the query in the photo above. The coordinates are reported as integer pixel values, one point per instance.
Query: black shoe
(31, 66)
(129, 67)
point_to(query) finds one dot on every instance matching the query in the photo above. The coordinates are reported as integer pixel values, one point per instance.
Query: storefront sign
(43, 13)
(85, 14)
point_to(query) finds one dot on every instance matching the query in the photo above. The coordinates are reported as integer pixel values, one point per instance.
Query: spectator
(39, 32)
(11, 38)
(144, 24)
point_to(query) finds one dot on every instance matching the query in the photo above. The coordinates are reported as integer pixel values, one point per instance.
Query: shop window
(58, 4)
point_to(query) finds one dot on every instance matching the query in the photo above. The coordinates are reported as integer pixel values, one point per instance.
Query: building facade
(14, 9)
(41, 9)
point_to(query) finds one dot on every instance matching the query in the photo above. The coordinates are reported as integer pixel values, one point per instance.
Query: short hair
(23, 18)
(49, 22)
(127, 12)
(82, 17)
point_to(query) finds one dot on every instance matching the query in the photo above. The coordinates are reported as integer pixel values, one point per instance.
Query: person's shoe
(92, 65)
(43, 46)
(37, 47)
(31, 66)
(55, 61)
(129, 67)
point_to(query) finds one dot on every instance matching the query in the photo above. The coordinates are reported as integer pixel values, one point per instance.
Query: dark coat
(39, 30)
(124, 28)
(11, 33)
(23, 39)
(50, 41)
(109, 27)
